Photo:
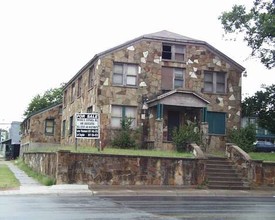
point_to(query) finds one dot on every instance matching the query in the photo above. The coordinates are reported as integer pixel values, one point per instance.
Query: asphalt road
(203, 207)
(51, 207)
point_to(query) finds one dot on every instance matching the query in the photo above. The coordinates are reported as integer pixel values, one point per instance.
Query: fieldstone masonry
(146, 52)
(258, 173)
(96, 169)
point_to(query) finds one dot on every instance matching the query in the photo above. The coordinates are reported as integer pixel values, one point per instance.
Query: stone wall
(96, 169)
(44, 163)
(257, 172)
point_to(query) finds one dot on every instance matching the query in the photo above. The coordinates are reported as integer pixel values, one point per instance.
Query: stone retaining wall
(97, 169)
(258, 173)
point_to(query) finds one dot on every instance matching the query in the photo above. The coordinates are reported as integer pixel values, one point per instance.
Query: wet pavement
(28, 185)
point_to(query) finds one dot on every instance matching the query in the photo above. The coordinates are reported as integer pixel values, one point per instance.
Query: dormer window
(173, 52)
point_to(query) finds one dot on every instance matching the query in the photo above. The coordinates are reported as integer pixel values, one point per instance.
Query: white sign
(87, 125)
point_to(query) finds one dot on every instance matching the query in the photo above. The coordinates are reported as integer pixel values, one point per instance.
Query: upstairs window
(65, 98)
(173, 52)
(90, 109)
(125, 74)
(178, 78)
(172, 78)
(49, 126)
(91, 77)
(73, 92)
(214, 82)
(79, 86)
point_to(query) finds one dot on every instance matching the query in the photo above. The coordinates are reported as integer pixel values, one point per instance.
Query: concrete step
(221, 174)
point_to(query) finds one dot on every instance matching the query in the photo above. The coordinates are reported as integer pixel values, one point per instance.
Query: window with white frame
(125, 74)
(173, 52)
(49, 126)
(172, 78)
(178, 78)
(120, 112)
(214, 82)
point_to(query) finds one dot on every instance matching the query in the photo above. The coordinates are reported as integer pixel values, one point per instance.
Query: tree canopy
(262, 105)
(39, 102)
(258, 27)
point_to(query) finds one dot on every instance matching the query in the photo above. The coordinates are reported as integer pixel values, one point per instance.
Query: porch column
(158, 134)
(204, 135)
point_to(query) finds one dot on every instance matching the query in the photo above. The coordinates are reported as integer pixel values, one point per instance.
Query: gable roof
(163, 35)
(54, 105)
(179, 97)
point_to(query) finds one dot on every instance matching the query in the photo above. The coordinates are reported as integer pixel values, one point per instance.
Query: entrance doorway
(173, 122)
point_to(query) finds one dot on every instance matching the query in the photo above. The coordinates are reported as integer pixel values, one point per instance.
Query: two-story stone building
(161, 80)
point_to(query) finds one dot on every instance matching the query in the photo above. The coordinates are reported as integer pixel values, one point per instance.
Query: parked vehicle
(264, 146)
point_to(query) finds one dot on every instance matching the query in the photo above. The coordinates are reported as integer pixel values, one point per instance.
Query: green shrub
(185, 135)
(244, 137)
(125, 138)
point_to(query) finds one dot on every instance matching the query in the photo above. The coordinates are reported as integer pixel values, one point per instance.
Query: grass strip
(116, 151)
(44, 180)
(263, 156)
(7, 178)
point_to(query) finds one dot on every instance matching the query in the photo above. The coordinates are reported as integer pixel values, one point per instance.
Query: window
(172, 78)
(79, 86)
(119, 112)
(178, 78)
(125, 74)
(65, 98)
(90, 109)
(216, 122)
(173, 52)
(49, 126)
(71, 125)
(72, 92)
(91, 76)
(63, 128)
(214, 82)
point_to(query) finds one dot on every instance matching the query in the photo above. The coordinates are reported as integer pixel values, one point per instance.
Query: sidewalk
(30, 186)
(177, 191)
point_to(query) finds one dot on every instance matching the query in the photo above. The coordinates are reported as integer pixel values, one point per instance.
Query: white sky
(44, 43)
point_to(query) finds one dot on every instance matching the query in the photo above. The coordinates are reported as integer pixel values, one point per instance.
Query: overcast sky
(44, 43)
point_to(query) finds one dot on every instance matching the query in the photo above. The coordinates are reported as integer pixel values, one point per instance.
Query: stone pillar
(158, 134)
(62, 168)
(204, 135)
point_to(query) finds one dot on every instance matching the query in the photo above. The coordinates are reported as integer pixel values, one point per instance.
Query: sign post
(87, 126)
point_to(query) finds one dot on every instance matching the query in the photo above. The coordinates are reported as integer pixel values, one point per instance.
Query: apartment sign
(87, 125)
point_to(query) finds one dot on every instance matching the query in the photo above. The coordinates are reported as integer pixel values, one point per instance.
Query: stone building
(162, 81)
(42, 128)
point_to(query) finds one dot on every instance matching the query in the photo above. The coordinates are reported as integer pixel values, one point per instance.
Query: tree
(262, 105)
(244, 137)
(39, 102)
(258, 26)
